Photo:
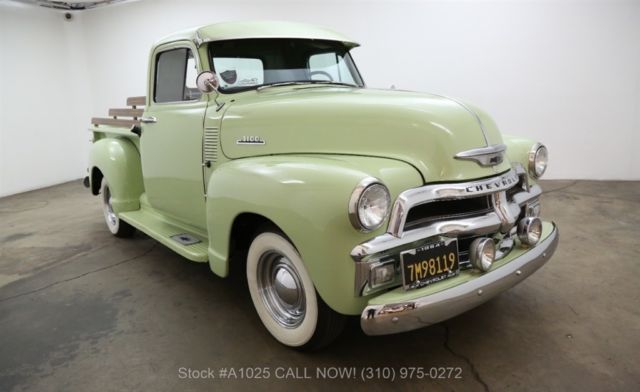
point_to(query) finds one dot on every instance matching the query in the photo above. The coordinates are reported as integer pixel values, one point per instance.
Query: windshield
(251, 63)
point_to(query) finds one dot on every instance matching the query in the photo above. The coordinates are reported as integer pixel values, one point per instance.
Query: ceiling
(76, 5)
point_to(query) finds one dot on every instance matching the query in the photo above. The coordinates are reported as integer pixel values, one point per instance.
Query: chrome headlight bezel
(538, 160)
(482, 253)
(365, 187)
(530, 231)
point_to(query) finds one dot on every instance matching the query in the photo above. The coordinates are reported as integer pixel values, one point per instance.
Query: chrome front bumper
(433, 308)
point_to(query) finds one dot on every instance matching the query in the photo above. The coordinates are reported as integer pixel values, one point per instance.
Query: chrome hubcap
(109, 215)
(281, 289)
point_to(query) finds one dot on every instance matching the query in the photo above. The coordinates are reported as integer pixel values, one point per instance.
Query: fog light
(530, 230)
(382, 273)
(482, 253)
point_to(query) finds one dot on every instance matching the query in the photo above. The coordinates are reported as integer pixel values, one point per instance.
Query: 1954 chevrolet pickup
(259, 146)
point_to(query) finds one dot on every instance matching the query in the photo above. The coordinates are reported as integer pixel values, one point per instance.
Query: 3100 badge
(429, 263)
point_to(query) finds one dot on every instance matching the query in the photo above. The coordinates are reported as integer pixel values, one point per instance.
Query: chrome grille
(412, 198)
(210, 145)
(440, 210)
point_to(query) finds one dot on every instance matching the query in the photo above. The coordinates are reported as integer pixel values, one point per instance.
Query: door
(171, 142)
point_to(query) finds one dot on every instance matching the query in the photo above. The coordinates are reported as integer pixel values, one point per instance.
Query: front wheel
(116, 226)
(284, 295)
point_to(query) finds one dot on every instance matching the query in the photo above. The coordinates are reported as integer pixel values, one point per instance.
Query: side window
(176, 76)
(239, 71)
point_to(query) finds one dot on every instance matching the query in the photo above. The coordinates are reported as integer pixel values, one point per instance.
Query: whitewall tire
(284, 295)
(116, 226)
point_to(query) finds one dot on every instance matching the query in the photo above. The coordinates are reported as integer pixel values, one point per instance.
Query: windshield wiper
(291, 83)
(300, 82)
(331, 82)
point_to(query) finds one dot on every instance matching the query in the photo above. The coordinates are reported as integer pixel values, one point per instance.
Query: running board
(186, 244)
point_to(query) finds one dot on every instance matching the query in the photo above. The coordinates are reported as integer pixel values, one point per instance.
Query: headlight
(369, 205)
(538, 160)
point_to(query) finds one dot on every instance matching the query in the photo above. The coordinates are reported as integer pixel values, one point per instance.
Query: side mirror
(207, 82)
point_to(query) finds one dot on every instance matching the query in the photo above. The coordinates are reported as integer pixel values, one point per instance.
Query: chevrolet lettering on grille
(501, 183)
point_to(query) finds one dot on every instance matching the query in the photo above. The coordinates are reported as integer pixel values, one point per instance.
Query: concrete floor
(81, 310)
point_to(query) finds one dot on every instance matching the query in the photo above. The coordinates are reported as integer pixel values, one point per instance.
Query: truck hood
(423, 130)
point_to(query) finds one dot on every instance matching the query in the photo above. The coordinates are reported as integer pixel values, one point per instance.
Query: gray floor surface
(81, 310)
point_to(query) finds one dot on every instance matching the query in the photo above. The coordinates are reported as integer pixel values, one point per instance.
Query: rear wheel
(284, 295)
(116, 226)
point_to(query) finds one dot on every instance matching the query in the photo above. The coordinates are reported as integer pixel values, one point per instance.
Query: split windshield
(246, 64)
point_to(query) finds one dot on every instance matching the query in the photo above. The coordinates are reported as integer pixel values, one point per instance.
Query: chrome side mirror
(207, 82)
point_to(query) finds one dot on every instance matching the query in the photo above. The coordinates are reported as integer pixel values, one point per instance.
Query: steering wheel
(312, 73)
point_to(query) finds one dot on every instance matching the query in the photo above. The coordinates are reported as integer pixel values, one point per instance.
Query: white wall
(565, 72)
(43, 105)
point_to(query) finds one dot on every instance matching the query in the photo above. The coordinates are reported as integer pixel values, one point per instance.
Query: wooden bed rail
(136, 101)
(131, 115)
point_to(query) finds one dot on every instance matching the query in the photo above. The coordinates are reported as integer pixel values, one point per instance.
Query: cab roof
(256, 29)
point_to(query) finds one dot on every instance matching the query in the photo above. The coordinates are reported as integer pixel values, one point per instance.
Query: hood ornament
(484, 156)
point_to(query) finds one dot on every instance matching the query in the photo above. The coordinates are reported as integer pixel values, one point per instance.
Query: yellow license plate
(429, 263)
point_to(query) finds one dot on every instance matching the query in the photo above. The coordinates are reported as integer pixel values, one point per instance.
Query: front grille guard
(508, 206)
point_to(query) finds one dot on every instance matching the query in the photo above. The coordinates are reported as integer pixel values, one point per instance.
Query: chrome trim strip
(474, 114)
(484, 156)
(434, 308)
(416, 196)
(481, 225)
(148, 120)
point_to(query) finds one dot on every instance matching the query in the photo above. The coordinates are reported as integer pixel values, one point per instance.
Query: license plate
(429, 263)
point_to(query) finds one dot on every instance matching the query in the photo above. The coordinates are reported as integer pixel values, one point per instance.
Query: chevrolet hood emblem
(484, 156)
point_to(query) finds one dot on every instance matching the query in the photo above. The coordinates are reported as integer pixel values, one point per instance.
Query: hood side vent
(210, 145)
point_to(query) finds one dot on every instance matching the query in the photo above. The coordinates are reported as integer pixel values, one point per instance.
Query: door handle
(148, 120)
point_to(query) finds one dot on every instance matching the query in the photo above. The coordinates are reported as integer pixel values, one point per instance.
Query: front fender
(306, 197)
(518, 152)
(119, 162)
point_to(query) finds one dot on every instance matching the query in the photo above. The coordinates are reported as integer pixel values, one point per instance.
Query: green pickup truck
(258, 145)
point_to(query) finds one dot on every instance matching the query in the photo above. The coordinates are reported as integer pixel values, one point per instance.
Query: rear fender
(117, 160)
